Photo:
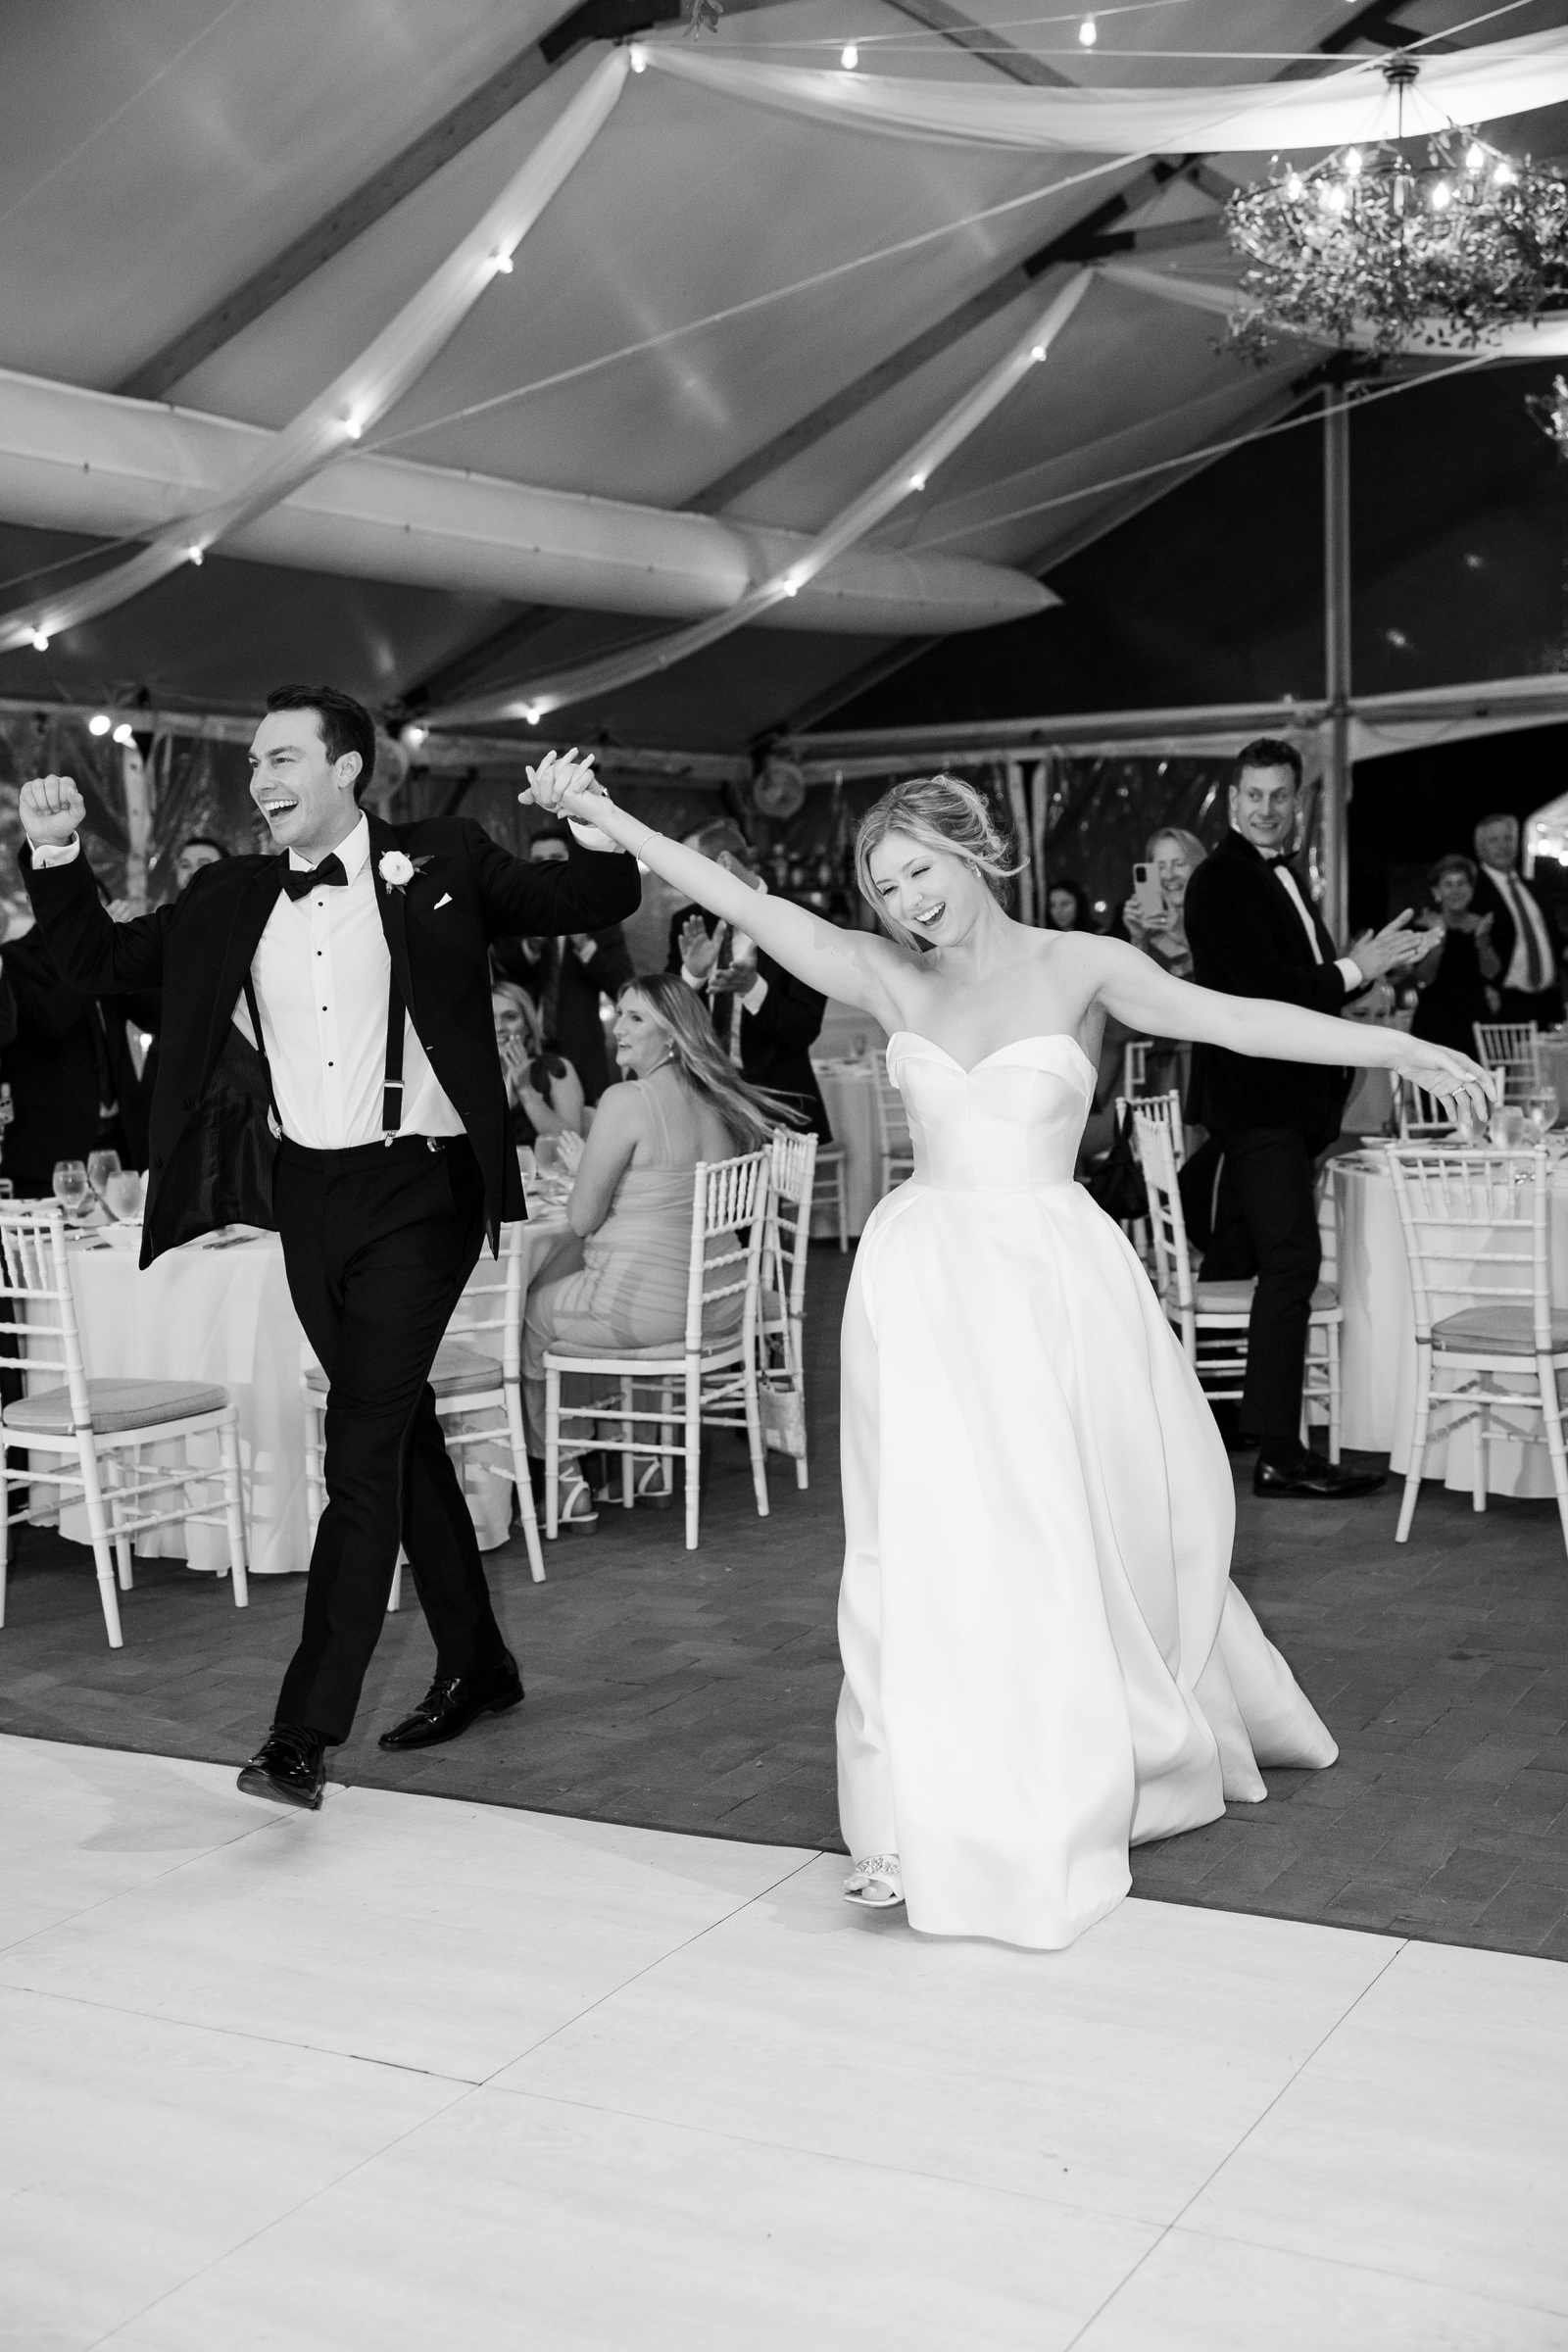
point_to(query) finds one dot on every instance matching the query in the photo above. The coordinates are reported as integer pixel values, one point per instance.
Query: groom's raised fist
(51, 810)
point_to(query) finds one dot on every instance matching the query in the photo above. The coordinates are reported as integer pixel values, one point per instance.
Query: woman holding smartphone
(1154, 913)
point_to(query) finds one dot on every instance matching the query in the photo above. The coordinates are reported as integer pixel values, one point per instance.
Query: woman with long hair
(631, 1197)
(1067, 906)
(544, 1093)
(1044, 1658)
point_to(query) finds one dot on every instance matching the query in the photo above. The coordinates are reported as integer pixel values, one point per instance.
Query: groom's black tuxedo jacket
(1248, 939)
(199, 949)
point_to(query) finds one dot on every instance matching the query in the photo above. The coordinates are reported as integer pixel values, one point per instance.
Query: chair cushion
(117, 1404)
(457, 1371)
(1236, 1298)
(1501, 1329)
(717, 1351)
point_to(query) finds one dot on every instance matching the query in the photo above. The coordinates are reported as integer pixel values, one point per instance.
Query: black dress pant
(377, 1244)
(1266, 1224)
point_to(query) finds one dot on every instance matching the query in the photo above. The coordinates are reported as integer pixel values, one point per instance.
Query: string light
(98, 724)
(353, 427)
(531, 712)
(503, 263)
(1088, 33)
(124, 735)
(40, 640)
(412, 737)
(638, 64)
(849, 57)
(195, 554)
(918, 482)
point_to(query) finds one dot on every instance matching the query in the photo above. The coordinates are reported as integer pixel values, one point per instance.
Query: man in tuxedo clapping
(1531, 985)
(1254, 932)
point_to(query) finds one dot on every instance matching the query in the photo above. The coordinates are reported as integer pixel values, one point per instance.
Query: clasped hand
(1390, 948)
(562, 783)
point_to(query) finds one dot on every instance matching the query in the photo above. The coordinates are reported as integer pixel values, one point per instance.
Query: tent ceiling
(161, 152)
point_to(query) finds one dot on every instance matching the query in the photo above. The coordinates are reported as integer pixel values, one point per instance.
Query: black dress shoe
(289, 1767)
(452, 1702)
(1315, 1474)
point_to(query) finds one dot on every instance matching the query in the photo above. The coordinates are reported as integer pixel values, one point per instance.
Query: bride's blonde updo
(944, 813)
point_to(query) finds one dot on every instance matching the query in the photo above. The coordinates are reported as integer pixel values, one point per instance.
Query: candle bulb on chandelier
(849, 57)
(1088, 33)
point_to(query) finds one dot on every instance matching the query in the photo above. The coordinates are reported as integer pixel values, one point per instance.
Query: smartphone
(1147, 891)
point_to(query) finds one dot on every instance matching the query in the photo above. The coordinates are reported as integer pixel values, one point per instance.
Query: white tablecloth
(1378, 1340)
(224, 1314)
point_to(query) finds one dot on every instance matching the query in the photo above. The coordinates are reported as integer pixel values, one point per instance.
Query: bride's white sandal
(577, 1509)
(876, 1885)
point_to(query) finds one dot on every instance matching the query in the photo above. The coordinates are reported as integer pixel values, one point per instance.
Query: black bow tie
(1274, 864)
(329, 874)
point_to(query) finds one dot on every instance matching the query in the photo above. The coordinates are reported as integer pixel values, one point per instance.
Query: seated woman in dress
(544, 1094)
(1175, 855)
(631, 1199)
(1458, 984)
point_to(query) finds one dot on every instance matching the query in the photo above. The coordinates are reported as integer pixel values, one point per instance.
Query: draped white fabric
(904, 478)
(367, 388)
(1476, 85)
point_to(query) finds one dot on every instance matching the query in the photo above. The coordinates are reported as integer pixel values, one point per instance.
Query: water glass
(122, 1195)
(1466, 1123)
(528, 1163)
(101, 1165)
(1542, 1111)
(1508, 1127)
(71, 1186)
(547, 1155)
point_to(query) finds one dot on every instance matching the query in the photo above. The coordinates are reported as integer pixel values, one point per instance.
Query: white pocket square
(445, 900)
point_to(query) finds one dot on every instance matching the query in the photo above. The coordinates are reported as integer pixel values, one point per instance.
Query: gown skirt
(1044, 1659)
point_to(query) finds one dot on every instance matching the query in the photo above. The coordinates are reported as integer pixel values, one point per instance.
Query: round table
(1377, 1341)
(220, 1311)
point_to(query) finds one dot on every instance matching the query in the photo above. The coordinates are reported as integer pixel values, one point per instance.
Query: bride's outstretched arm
(1129, 986)
(854, 966)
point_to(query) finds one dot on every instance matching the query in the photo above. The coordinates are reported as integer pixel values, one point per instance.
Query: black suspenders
(392, 1084)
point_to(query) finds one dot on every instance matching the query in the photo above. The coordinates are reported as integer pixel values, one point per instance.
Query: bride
(1044, 1659)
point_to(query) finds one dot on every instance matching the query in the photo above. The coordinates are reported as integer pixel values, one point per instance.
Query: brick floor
(695, 1690)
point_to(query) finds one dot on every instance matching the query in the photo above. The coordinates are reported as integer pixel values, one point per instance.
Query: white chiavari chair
(97, 1428)
(1476, 1243)
(1514, 1049)
(896, 1152)
(1211, 1318)
(831, 1188)
(713, 1366)
(478, 1394)
(781, 1312)
(1422, 1116)
(1134, 1066)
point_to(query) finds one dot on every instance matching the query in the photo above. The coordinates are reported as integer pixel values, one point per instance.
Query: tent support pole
(1337, 658)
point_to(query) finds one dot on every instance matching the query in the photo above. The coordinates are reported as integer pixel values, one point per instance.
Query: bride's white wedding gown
(1044, 1658)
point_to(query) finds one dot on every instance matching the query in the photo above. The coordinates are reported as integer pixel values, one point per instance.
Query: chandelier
(1382, 247)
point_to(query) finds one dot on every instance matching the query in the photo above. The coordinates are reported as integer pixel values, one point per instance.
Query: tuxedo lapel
(251, 908)
(393, 913)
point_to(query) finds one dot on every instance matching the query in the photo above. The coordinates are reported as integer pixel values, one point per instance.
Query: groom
(360, 952)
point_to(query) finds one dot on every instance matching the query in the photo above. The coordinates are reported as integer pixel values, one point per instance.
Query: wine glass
(101, 1165)
(71, 1187)
(1542, 1111)
(547, 1155)
(527, 1162)
(1467, 1122)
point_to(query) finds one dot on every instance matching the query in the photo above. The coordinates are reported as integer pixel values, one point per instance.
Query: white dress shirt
(1526, 916)
(1347, 966)
(322, 973)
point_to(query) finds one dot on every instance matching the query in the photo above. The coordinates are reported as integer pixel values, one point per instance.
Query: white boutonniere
(397, 871)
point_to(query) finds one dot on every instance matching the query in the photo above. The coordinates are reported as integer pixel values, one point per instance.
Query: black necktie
(299, 879)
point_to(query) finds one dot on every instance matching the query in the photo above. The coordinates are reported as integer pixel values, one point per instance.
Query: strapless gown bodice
(1044, 1658)
(1011, 1123)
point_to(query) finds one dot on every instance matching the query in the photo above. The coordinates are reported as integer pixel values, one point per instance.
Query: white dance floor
(419, 2073)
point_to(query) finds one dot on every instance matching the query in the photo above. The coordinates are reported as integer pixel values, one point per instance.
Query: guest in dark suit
(357, 959)
(1531, 986)
(1254, 932)
(567, 978)
(779, 1017)
(74, 1083)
